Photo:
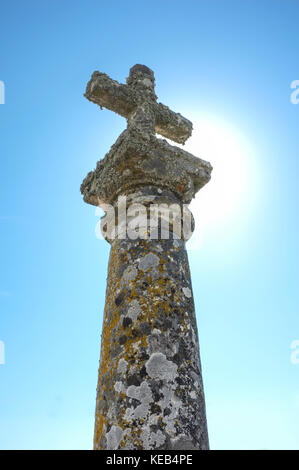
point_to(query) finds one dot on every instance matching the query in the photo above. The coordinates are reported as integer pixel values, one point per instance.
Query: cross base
(135, 161)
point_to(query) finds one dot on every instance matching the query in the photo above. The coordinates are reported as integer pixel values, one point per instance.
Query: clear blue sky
(228, 63)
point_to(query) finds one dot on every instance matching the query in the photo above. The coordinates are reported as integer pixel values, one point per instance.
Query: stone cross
(136, 101)
(150, 392)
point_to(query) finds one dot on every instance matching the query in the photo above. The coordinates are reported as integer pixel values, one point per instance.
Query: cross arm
(108, 93)
(172, 125)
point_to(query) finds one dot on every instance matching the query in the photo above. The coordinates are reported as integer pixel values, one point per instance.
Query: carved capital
(136, 161)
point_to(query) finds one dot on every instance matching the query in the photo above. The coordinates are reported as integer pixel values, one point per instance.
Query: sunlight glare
(224, 196)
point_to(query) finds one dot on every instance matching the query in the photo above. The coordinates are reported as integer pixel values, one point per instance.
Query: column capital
(135, 161)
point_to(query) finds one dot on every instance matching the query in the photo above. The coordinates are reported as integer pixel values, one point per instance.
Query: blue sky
(228, 65)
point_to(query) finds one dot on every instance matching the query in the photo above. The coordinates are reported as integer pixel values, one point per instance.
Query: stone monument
(150, 392)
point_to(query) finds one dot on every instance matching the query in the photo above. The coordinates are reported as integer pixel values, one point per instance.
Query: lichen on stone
(149, 393)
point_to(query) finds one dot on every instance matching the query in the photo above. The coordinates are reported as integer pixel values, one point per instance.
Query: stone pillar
(150, 392)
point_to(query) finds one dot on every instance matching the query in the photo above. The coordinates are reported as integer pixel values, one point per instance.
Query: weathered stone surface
(135, 160)
(150, 393)
(136, 101)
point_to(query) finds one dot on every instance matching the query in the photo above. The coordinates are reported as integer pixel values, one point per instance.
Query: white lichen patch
(140, 412)
(114, 436)
(173, 403)
(122, 366)
(136, 345)
(147, 82)
(156, 331)
(187, 292)
(148, 261)
(134, 310)
(143, 394)
(129, 274)
(152, 440)
(119, 387)
(158, 367)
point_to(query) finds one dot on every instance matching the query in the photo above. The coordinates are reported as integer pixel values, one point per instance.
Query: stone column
(150, 392)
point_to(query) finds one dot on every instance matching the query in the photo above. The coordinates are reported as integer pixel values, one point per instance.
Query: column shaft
(150, 392)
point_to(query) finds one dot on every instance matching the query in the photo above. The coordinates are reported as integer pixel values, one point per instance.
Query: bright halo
(224, 196)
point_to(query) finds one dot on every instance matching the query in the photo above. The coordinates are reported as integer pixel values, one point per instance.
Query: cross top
(137, 102)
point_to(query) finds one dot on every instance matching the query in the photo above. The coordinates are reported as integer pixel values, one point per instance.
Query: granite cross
(150, 392)
(137, 102)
